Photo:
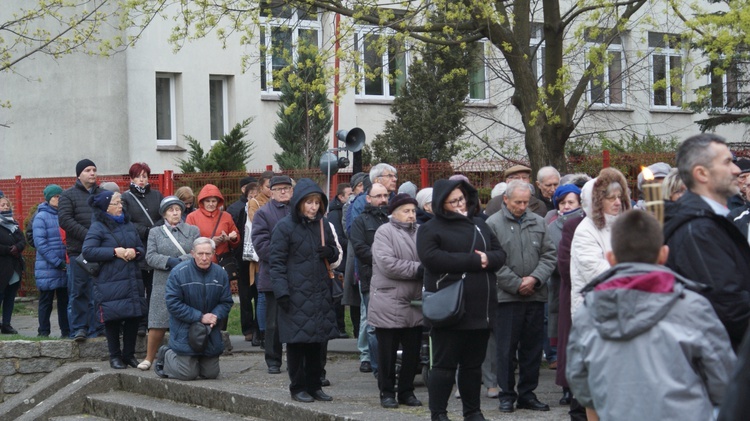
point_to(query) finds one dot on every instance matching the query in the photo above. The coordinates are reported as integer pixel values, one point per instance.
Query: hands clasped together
(125, 254)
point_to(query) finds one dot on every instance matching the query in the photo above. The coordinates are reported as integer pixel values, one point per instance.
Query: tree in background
(429, 109)
(304, 113)
(230, 153)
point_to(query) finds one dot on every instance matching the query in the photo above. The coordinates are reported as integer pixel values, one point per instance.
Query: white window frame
(536, 44)
(486, 84)
(172, 141)
(361, 31)
(668, 52)
(724, 88)
(611, 48)
(224, 105)
(295, 25)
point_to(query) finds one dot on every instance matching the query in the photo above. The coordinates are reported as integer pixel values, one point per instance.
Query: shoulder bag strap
(463, 275)
(174, 241)
(218, 221)
(142, 208)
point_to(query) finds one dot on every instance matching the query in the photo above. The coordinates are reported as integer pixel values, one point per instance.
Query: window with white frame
(728, 84)
(607, 87)
(218, 106)
(537, 47)
(166, 109)
(384, 60)
(283, 30)
(478, 75)
(666, 61)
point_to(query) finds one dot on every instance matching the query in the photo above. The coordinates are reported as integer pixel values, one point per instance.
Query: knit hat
(459, 177)
(400, 200)
(408, 188)
(247, 180)
(358, 178)
(279, 179)
(744, 165)
(101, 200)
(516, 169)
(82, 165)
(563, 191)
(499, 189)
(111, 186)
(168, 201)
(51, 191)
(424, 197)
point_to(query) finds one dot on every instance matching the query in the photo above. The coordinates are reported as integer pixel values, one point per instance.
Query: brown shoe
(553, 365)
(249, 337)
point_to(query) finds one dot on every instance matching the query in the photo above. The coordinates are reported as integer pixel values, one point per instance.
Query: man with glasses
(361, 238)
(264, 221)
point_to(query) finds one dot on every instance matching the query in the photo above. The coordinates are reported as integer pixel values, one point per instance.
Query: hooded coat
(50, 250)
(206, 221)
(707, 246)
(446, 244)
(646, 346)
(298, 272)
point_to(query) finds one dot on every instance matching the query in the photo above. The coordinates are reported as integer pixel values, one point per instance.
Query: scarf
(119, 219)
(142, 190)
(7, 221)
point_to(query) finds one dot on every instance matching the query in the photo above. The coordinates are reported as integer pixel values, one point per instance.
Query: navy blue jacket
(50, 250)
(192, 292)
(118, 289)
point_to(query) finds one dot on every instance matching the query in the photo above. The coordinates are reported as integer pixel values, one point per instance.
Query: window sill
(480, 104)
(670, 111)
(377, 101)
(611, 109)
(270, 97)
(170, 148)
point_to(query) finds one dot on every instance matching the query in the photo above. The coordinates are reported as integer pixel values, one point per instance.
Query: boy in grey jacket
(646, 345)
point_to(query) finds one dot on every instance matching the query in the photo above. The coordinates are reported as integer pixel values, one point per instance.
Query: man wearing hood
(646, 345)
(705, 244)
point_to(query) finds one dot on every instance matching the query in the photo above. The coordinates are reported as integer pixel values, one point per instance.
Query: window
(478, 76)
(537, 48)
(384, 60)
(727, 85)
(666, 70)
(607, 88)
(217, 98)
(281, 33)
(166, 109)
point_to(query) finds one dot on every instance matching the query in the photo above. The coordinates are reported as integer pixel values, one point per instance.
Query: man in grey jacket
(521, 294)
(646, 345)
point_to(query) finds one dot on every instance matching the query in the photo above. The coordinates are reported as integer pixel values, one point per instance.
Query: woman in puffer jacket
(118, 291)
(50, 267)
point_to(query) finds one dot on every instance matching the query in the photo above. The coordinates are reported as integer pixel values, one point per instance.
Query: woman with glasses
(119, 296)
(454, 244)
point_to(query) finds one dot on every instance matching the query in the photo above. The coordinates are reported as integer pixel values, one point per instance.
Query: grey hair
(579, 179)
(499, 189)
(671, 184)
(204, 240)
(695, 151)
(613, 187)
(515, 185)
(379, 169)
(545, 172)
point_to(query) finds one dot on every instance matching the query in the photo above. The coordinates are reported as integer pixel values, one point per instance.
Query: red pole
(269, 167)
(19, 201)
(168, 182)
(424, 174)
(336, 64)
(605, 159)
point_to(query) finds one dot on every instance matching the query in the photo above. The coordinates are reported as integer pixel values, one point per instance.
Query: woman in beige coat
(396, 282)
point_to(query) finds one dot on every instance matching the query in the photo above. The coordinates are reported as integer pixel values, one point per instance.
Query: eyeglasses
(116, 204)
(393, 176)
(379, 196)
(457, 202)
(281, 189)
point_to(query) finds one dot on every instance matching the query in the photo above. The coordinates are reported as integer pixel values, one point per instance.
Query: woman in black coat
(12, 243)
(118, 291)
(302, 288)
(452, 243)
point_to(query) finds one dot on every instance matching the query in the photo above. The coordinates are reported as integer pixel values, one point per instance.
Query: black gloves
(283, 302)
(62, 266)
(326, 252)
(172, 262)
(14, 251)
(420, 272)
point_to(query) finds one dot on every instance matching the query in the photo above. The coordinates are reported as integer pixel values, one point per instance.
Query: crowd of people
(562, 270)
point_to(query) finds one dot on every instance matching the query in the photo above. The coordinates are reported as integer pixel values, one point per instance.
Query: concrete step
(125, 406)
(80, 417)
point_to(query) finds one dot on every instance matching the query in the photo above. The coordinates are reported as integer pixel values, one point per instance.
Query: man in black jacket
(361, 238)
(74, 214)
(704, 244)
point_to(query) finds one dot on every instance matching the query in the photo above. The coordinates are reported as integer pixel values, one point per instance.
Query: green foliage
(304, 113)
(429, 110)
(632, 144)
(230, 153)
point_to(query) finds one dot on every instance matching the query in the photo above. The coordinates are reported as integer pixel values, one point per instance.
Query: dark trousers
(303, 363)
(340, 312)
(355, 316)
(81, 313)
(148, 285)
(129, 329)
(8, 300)
(46, 300)
(410, 339)
(451, 348)
(247, 293)
(273, 345)
(520, 326)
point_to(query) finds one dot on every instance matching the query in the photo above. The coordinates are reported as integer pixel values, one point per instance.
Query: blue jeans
(46, 298)
(550, 352)
(261, 311)
(368, 332)
(81, 308)
(8, 299)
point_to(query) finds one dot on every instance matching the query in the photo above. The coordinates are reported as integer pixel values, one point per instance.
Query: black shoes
(343, 335)
(302, 397)
(159, 361)
(273, 369)
(320, 395)
(325, 382)
(440, 417)
(365, 367)
(388, 402)
(532, 404)
(80, 335)
(131, 362)
(506, 405)
(8, 330)
(142, 331)
(566, 397)
(117, 363)
(409, 401)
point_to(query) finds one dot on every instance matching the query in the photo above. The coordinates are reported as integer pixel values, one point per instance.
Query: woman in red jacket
(213, 222)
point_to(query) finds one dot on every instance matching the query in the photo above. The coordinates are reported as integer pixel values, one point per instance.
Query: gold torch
(652, 195)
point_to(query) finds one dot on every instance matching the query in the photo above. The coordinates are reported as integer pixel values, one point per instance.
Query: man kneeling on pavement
(197, 290)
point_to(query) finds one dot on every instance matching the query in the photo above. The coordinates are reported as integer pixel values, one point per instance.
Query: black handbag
(198, 334)
(92, 268)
